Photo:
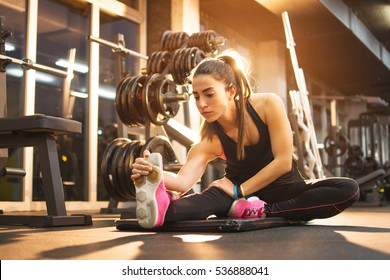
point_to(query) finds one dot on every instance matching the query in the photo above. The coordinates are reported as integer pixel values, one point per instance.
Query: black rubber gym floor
(360, 233)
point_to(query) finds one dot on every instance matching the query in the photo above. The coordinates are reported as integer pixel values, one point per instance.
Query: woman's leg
(198, 206)
(323, 199)
(155, 205)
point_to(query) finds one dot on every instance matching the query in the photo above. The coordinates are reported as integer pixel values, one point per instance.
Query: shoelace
(252, 212)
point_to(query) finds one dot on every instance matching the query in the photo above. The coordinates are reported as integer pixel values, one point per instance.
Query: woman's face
(212, 99)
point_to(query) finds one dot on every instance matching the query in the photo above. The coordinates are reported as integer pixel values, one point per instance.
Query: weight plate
(161, 145)
(156, 63)
(116, 164)
(149, 64)
(124, 176)
(177, 66)
(172, 69)
(137, 99)
(165, 99)
(164, 40)
(337, 146)
(134, 153)
(130, 118)
(105, 167)
(165, 60)
(131, 112)
(119, 105)
(149, 101)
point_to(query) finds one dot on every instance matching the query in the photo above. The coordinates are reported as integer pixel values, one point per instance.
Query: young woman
(252, 133)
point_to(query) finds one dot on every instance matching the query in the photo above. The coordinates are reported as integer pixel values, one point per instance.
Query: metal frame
(38, 131)
(107, 6)
(302, 108)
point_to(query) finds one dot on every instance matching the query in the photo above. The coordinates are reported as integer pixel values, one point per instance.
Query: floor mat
(214, 224)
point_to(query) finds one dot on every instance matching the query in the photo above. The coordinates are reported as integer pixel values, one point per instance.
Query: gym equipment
(183, 61)
(147, 98)
(27, 64)
(312, 161)
(386, 167)
(372, 188)
(355, 163)
(114, 181)
(370, 176)
(160, 99)
(336, 144)
(366, 182)
(120, 68)
(158, 62)
(118, 158)
(207, 41)
(155, 97)
(181, 53)
(367, 159)
(151, 98)
(39, 131)
(209, 225)
(118, 48)
(371, 132)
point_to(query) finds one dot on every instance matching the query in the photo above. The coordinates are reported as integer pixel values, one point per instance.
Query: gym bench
(40, 131)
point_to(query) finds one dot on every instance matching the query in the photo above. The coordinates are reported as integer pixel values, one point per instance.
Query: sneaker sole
(147, 208)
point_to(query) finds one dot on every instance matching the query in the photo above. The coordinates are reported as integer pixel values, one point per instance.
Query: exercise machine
(368, 156)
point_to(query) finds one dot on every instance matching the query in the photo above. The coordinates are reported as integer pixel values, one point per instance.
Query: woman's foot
(151, 195)
(250, 208)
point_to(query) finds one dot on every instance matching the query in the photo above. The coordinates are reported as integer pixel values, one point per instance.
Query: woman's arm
(192, 170)
(273, 113)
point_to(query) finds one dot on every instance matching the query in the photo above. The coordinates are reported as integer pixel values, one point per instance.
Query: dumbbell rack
(120, 51)
(39, 131)
(151, 101)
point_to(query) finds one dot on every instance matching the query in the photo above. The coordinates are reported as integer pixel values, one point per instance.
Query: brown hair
(226, 69)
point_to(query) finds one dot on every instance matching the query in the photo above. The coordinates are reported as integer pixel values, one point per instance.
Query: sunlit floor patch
(197, 238)
(371, 240)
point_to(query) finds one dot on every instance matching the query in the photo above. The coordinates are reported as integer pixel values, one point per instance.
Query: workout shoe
(152, 198)
(247, 209)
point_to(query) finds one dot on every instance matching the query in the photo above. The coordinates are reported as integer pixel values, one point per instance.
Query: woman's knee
(352, 189)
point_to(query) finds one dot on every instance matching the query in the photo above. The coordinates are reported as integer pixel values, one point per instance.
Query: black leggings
(302, 200)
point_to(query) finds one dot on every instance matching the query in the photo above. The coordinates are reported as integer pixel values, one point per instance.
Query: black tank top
(256, 156)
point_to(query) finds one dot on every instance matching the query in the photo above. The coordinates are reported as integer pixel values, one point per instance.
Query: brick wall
(158, 21)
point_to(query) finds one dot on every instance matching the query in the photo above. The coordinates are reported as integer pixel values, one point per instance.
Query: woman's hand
(141, 167)
(224, 184)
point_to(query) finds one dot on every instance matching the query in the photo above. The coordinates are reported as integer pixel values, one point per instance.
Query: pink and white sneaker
(250, 208)
(152, 198)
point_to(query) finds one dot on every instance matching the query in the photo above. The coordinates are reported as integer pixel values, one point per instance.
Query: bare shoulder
(264, 98)
(265, 102)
